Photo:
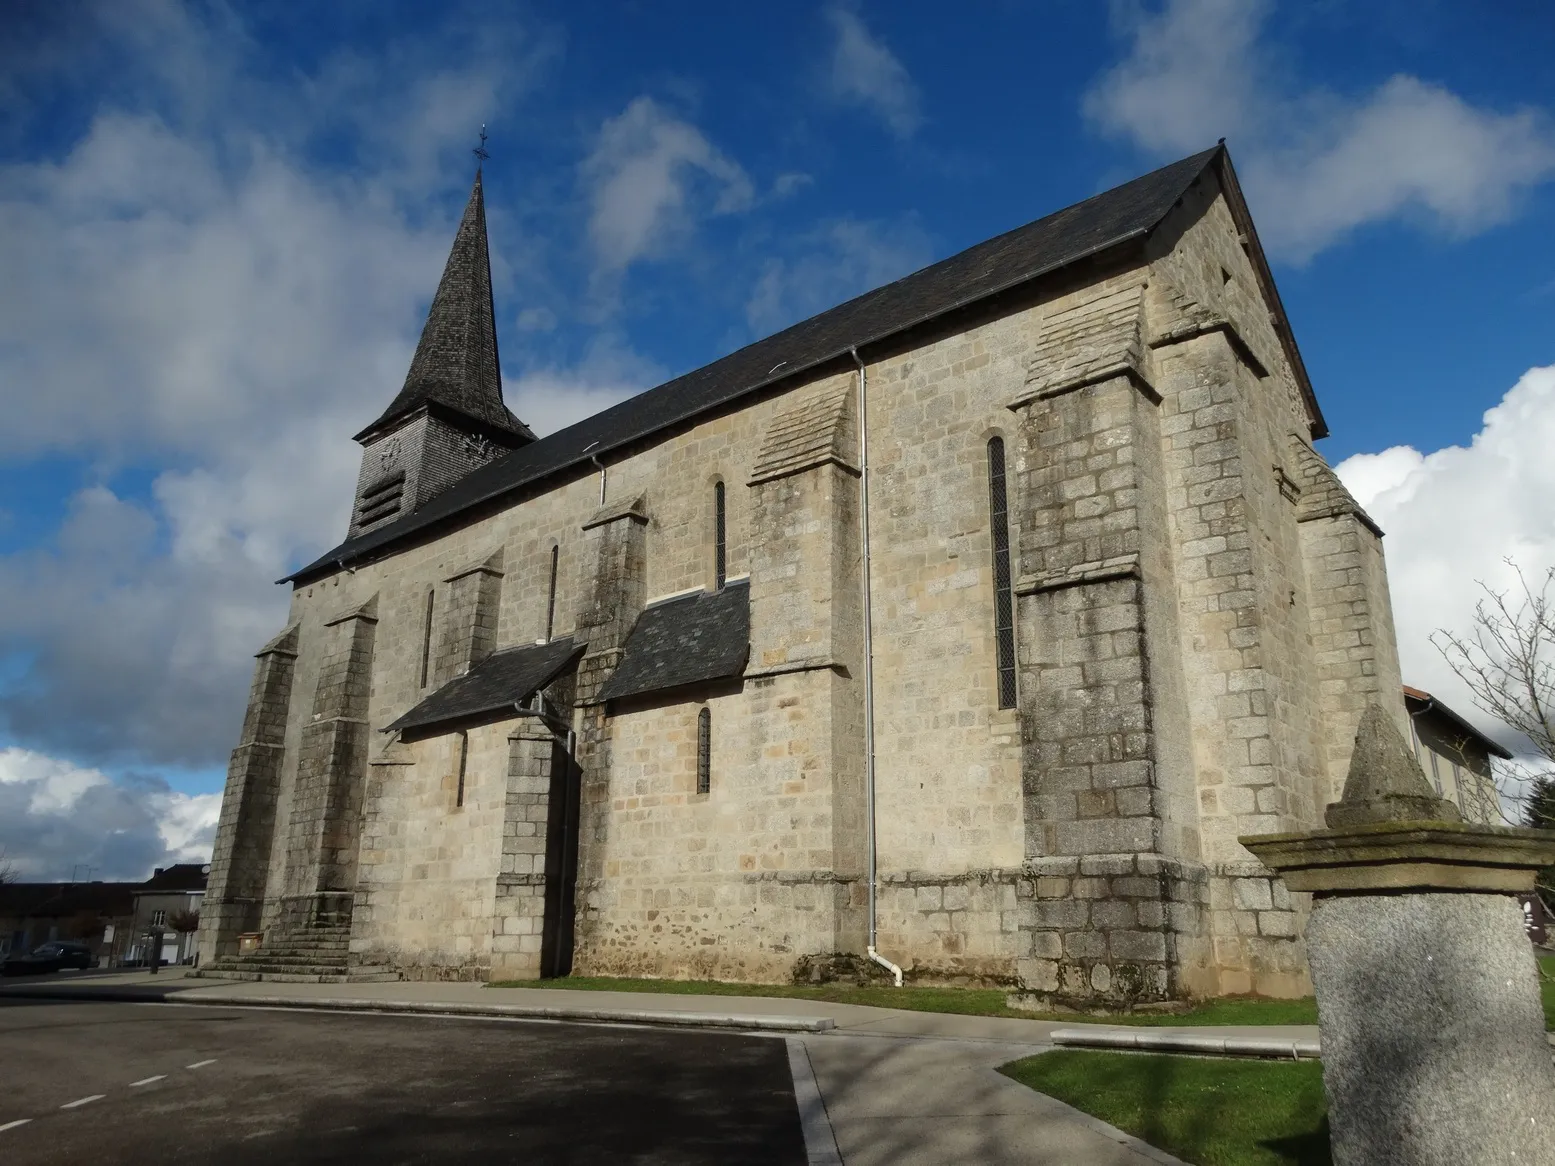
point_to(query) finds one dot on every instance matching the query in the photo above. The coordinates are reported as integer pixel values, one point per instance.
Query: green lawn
(967, 1001)
(990, 1001)
(1206, 1111)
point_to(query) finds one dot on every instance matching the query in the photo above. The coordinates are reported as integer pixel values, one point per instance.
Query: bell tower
(449, 418)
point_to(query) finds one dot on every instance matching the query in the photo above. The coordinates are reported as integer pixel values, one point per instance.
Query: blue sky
(222, 225)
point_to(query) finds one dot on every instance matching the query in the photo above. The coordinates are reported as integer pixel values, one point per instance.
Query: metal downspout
(869, 664)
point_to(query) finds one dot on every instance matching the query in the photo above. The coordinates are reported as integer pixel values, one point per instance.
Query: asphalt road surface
(141, 1083)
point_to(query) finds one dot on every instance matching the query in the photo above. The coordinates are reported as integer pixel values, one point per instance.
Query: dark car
(50, 957)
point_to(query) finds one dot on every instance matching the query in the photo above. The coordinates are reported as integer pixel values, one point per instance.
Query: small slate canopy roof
(1125, 214)
(700, 637)
(500, 681)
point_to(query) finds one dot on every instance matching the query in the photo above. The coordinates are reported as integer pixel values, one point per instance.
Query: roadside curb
(1154, 1040)
(669, 1019)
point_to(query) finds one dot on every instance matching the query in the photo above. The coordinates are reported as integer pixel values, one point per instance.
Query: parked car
(50, 957)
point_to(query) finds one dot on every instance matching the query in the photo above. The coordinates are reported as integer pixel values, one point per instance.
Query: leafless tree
(8, 871)
(1508, 663)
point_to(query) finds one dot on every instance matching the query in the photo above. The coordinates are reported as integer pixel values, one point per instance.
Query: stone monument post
(1428, 1004)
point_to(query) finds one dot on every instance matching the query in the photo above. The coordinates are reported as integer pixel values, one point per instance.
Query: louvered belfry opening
(381, 500)
(1003, 601)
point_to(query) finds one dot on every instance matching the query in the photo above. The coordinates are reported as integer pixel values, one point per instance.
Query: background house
(157, 903)
(1455, 756)
(96, 913)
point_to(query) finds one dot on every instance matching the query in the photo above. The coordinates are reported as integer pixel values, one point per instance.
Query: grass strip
(990, 1001)
(964, 1001)
(1210, 1111)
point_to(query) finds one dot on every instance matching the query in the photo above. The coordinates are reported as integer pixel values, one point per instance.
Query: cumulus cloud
(830, 265)
(191, 292)
(1454, 516)
(649, 176)
(1316, 165)
(863, 72)
(56, 817)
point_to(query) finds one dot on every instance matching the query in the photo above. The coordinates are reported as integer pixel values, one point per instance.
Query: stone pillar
(613, 595)
(326, 809)
(1352, 618)
(235, 895)
(469, 631)
(1115, 894)
(519, 917)
(1432, 1030)
(807, 701)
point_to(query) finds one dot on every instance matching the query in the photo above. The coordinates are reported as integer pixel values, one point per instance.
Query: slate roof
(705, 636)
(181, 876)
(456, 366)
(1117, 216)
(498, 682)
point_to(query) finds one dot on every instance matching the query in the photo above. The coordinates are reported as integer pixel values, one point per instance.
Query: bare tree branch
(1508, 660)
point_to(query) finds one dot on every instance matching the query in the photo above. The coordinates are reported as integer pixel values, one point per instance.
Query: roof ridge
(1098, 223)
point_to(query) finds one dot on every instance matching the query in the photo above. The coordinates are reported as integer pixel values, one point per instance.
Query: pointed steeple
(455, 369)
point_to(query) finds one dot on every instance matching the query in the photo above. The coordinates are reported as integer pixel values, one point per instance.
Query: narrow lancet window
(704, 750)
(464, 757)
(426, 639)
(1003, 603)
(720, 560)
(550, 603)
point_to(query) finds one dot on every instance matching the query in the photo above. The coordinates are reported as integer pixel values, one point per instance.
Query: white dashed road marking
(201, 1064)
(149, 1080)
(83, 1100)
(11, 1125)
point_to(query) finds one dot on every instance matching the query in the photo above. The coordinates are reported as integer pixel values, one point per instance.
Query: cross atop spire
(480, 150)
(455, 369)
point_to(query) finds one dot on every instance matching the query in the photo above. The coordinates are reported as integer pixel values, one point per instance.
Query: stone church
(956, 632)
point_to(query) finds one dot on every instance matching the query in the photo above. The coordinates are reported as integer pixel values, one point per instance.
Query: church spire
(455, 369)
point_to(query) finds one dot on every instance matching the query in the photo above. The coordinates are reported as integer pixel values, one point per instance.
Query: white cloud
(188, 292)
(56, 816)
(1454, 516)
(863, 72)
(554, 397)
(1316, 165)
(649, 177)
(830, 265)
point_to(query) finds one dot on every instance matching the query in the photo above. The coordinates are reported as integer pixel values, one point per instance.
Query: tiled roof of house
(456, 366)
(1121, 215)
(696, 638)
(498, 682)
(1420, 702)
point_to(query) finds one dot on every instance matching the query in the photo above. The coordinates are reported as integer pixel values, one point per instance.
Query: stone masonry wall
(235, 893)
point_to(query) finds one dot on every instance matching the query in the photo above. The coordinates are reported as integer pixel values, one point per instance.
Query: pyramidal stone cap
(1385, 782)
(1389, 832)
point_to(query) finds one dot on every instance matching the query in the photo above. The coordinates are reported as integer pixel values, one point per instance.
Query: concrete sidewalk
(173, 986)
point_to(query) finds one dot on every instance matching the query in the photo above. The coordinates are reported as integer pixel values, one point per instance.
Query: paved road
(134, 1083)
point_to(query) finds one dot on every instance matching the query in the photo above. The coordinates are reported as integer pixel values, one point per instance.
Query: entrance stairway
(311, 955)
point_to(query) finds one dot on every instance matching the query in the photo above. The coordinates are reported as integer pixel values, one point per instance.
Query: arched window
(720, 557)
(704, 750)
(550, 603)
(1003, 602)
